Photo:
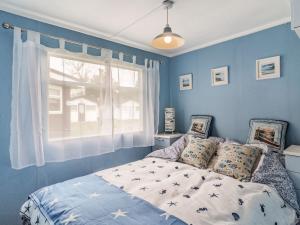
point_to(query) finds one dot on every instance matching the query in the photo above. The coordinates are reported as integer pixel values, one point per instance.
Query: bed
(156, 191)
(162, 190)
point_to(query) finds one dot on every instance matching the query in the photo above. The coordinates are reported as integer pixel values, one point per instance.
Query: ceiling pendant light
(168, 39)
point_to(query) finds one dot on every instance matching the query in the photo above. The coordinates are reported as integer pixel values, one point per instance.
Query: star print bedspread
(158, 192)
(200, 197)
(90, 200)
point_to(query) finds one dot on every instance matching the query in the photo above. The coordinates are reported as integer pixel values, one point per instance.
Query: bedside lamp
(169, 120)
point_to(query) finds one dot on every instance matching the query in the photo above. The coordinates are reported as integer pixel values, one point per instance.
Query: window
(55, 99)
(127, 99)
(84, 100)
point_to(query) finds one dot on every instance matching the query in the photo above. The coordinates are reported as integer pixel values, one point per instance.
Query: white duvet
(200, 197)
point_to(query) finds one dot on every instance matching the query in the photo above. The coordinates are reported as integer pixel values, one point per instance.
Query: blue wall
(245, 97)
(15, 185)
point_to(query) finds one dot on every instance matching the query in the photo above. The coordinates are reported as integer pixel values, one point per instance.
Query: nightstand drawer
(296, 179)
(292, 163)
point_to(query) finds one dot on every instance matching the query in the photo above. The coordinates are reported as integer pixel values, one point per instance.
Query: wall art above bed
(219, 76)
(270, 132)
(186, 82)
(268, 68)
(200, 125)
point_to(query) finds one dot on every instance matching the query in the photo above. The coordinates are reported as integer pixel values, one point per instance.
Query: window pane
(77, 92)
(128, 100)
(79, 100)
(53, 92)
(55, 99)
(54, 105)
(80, 83)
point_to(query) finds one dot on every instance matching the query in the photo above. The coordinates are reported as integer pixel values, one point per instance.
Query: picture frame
(186, 82)
(219, 76)
(268, 68)
(200, 125)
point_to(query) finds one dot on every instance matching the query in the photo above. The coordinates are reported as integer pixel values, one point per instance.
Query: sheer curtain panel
(135, 103)
(68, 105)
(29, 79)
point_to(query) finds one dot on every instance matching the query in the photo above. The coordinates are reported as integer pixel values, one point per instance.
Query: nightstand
(165, 140)
(292, 164)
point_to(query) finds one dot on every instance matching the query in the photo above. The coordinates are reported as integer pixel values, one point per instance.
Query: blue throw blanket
(90, 200)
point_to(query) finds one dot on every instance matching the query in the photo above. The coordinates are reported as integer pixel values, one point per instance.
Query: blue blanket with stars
(90, 200)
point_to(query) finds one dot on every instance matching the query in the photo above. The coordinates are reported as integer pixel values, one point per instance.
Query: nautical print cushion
(218, 140)
(200, 126)
(264, 149)
(198, 152)
(237, 161)
(216, 155)
(270, 132)
(214, 158)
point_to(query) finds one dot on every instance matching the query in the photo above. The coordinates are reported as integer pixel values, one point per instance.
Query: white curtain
(148, 114)
(28, 82)
(72, 105)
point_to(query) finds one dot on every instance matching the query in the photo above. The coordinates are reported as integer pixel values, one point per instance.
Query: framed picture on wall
(219, 76)
(268, 68)
(186, 82)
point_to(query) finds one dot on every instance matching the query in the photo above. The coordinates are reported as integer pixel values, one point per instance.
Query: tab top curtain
(69, 105)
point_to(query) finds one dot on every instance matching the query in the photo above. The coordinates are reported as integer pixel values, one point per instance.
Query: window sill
(54, 140)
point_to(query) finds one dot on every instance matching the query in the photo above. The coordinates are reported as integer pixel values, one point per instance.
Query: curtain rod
(9, 26)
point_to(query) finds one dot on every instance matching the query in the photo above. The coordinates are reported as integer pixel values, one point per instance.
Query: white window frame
(60, 97)
(99, 61)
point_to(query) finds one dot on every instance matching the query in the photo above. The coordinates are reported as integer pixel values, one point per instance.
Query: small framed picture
(268, 68)
(219, 76)
(186, 82)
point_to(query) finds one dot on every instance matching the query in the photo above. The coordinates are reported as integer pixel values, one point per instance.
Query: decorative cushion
(237, 161)
(218, 140)
(172, 152)
(214, 158)
(198, 152)
(264, 149)
(200, 126)
(258, 161)
(272, 173)
(270, 132)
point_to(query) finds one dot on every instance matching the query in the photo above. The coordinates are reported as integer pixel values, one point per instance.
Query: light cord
(135, 21)
(168, 15)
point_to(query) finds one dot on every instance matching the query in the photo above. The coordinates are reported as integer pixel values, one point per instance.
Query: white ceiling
(200, 22)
